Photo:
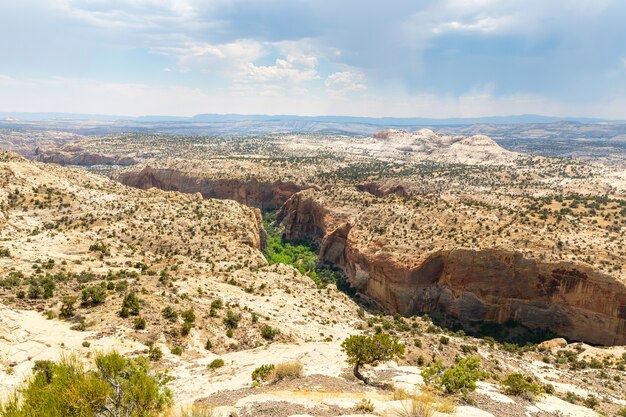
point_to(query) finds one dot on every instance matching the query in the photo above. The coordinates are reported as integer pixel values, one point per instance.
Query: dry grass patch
(422, 404)
(193, 411)
(287, 370)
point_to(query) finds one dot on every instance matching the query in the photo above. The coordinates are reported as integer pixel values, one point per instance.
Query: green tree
(130, 305)
(119, 387)
(367, 350)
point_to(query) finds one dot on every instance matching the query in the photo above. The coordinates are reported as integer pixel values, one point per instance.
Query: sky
(413, 58)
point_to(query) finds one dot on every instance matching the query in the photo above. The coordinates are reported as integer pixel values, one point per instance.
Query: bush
(268, 332)
(460, 378)
(287, 370)
(208, 345)
(177, 350)
(169, 313)
(216, 363)
(94, 295)
(188, 316)
(186, 329)
(522, 386)
(140, 323)
(100, 247)
(232, 319)
(262, 373)
(123, 386)
(130, 305)
(467, 349)
(365, 406)
(154, 352)
(67, 307)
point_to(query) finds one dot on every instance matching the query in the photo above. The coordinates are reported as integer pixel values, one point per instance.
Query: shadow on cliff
(508, 332)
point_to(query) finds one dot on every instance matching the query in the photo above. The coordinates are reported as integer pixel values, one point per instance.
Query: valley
(273, 249)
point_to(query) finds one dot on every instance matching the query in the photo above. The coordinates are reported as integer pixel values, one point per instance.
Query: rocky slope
(484, 282)
(70, 155)
(251, 192)
(426, 145)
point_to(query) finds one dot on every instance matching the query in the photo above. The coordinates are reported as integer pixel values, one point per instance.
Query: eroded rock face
(472, 285)
(263, 195)
(82, 158)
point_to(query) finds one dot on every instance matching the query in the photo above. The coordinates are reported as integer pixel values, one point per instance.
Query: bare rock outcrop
(251, 192)
(473, 285)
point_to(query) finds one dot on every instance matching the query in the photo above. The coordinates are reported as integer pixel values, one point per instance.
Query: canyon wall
(82, 158)
(472, 285)
(251, 192)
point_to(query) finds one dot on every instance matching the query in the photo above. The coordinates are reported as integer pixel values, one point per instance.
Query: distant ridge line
(376, 121)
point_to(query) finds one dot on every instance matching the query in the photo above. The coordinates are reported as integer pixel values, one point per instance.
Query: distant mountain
(374, 121)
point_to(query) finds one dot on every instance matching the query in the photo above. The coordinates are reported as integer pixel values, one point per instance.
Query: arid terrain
(215, 255)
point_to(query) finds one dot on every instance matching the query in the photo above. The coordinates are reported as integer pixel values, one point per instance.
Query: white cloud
(291, 69)
(345, 82)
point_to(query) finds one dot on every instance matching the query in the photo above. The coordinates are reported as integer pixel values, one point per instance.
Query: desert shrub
(262, 373)
(216, 363)
(140, 323)
(130, 305)
(120, 385)
(365, 406)
(154, 352)
(169, 313)
(100, 247)
(186, 328)
(232, 319)
(188, 316)
(5, 253)
(591, 401)
(287, 370)
(522, 386)
(177, 350)
(93, 295)
(208, 345)
(460, 378)
(572, 397)
(467, 349)
(444, 340)
(268, 332)
(67, 307)
(622, 412)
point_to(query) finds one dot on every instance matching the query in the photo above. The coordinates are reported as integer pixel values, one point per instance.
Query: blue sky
(447, 58)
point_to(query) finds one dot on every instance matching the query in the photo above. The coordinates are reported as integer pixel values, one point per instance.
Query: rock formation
(251, 192)
(81, 157)
(473, 285)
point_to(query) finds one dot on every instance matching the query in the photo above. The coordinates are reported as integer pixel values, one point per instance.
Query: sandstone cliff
(474, 285)
(251, 192)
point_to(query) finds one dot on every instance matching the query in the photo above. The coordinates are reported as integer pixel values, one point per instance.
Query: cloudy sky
(443, 58)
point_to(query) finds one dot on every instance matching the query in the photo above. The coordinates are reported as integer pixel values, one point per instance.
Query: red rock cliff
(263, 195)
(492, 285)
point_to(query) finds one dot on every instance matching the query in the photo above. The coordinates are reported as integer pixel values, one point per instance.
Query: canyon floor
(452, 244)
